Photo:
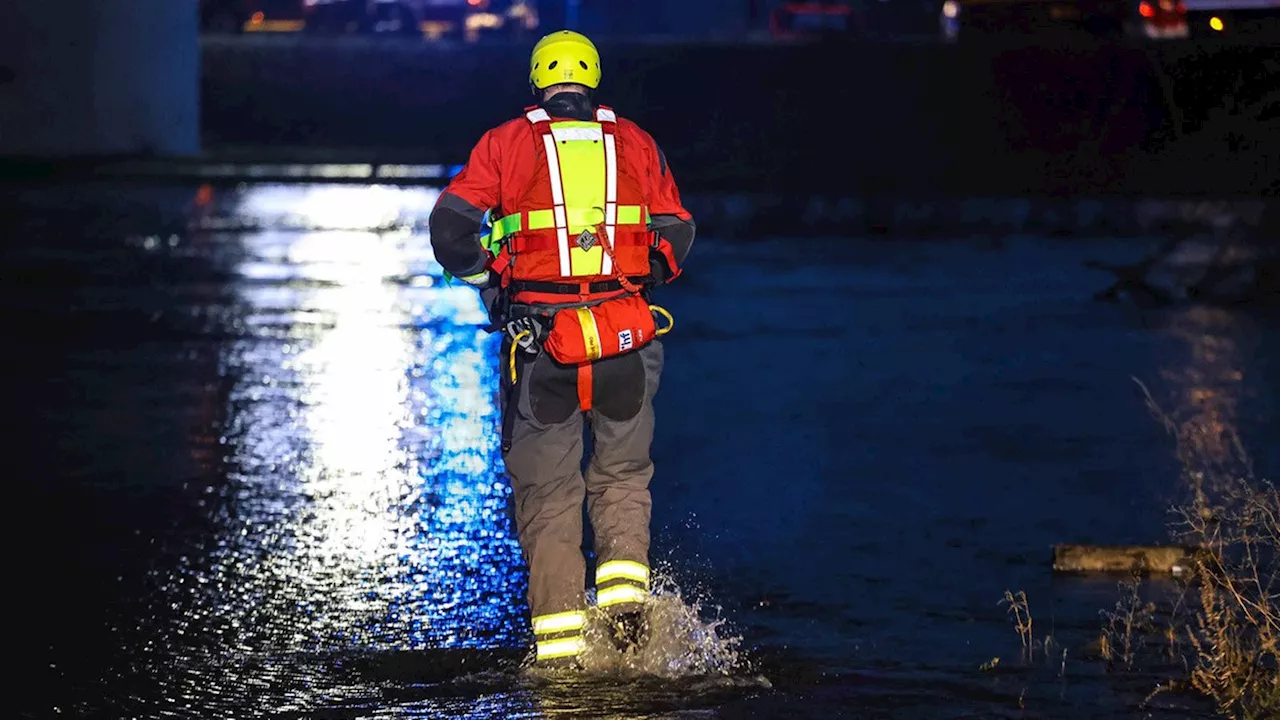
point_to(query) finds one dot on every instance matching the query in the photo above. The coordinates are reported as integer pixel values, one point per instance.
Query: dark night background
(249, 432)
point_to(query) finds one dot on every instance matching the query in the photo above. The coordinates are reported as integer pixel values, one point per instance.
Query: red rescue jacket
(572, 201)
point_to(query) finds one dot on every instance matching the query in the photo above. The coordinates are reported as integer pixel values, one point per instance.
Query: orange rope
(607, 242)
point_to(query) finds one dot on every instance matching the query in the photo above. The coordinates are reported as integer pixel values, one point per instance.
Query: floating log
(1122, 558)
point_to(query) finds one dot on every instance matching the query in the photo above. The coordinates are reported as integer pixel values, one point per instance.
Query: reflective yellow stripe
(503, 227)
(619, 594)
(622, 569)
(576, 216)
(567, 647)
(559, 622)
(590, 333)
(633, 215)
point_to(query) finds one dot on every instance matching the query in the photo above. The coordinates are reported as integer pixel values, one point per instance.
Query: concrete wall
(99, 77)
(1056, 119)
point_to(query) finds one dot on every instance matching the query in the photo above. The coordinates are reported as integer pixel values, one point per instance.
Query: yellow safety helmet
(564, 57)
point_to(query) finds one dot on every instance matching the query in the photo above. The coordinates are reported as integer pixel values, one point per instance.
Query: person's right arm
(459, 211)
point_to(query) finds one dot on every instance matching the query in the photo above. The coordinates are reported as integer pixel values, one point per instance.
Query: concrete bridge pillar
(82, 78)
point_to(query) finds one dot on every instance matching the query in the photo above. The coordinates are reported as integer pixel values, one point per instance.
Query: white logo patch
(624, 340)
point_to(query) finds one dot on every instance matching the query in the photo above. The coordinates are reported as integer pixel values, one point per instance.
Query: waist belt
(604, 286)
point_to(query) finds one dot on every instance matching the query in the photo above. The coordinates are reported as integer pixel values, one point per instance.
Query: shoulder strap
(537, 117)
(604, 115)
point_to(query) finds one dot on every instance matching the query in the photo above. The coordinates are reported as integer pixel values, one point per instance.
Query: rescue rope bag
(594, 332)
(584, 334)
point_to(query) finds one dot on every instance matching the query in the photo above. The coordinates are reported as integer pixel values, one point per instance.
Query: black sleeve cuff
(454, 226)
(679, 233)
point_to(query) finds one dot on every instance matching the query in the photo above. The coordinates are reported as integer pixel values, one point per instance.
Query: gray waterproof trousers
(543, 428)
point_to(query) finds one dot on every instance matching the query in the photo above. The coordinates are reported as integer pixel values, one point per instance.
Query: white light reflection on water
(334, 207)
(364, 508)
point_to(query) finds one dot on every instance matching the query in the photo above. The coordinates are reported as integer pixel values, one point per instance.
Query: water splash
(691, 666)
(682, 643)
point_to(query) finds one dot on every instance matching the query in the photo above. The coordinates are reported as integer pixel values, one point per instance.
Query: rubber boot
(629, 630)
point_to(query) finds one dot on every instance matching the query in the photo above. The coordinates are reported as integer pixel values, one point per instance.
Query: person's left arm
(668, 218)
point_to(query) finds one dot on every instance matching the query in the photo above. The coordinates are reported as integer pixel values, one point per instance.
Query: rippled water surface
(252, 446)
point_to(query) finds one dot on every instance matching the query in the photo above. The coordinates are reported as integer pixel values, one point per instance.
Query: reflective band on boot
(559, 635)
(555, 649)
(621, 581)
(559, 622)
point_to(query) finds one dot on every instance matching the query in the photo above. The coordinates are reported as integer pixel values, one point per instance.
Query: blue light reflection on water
(468, 581)
(366, 504)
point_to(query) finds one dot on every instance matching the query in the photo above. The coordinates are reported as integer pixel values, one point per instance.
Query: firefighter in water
(586, 219)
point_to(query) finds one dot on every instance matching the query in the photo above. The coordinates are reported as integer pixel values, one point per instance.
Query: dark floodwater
(252, 469)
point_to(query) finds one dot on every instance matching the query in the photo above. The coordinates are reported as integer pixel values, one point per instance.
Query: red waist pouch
(584, 334)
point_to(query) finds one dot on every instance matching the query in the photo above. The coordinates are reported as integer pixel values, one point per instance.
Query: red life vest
(582, 220)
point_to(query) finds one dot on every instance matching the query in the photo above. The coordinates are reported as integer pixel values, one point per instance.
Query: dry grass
(1236, 624)
(1020, 612)
(1127, 626)
(1232, 602)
